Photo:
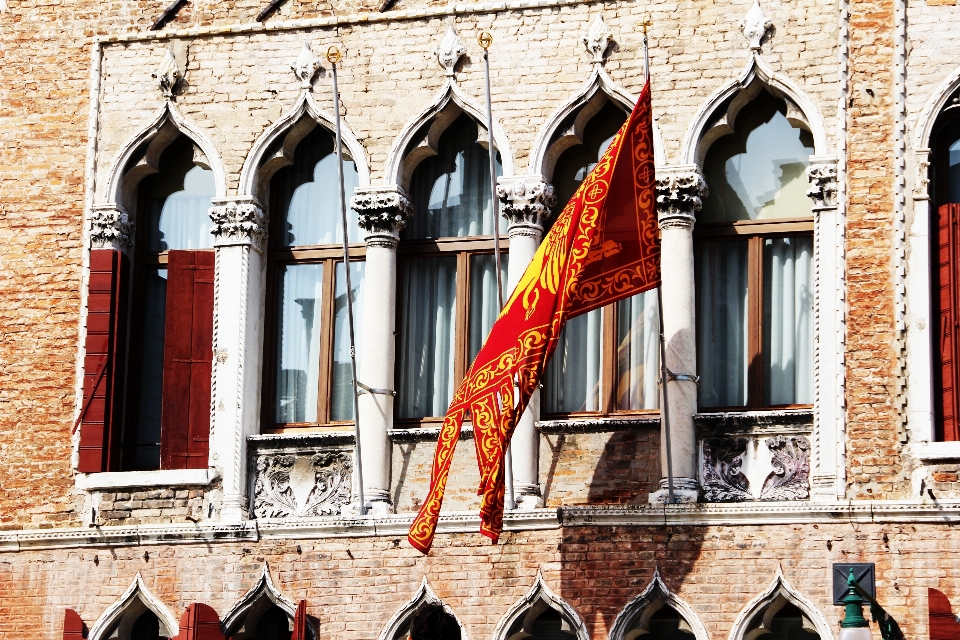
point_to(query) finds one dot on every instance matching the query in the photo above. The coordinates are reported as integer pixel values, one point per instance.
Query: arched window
(165, 407)
(606, 360)
(431, 622)
(147, 627)
(308, 377)
(447, 295)
(754, 263)
(945, 272)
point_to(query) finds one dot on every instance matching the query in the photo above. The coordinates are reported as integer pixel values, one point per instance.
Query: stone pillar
(679, 193)
(383, 213)
(526, 204)
(239, 238)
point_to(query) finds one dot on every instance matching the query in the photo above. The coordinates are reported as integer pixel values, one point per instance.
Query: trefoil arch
(123, 614)
(254, 603)
(517, 623)
(634, 619)
(425, 596)
(755, 619)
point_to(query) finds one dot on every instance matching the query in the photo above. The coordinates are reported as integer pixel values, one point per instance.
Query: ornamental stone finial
(305, 66)
(238, 221)
(450, 51)
(527, 201)
(597, 39)
(110, 228)
(168, 74)
(755, 26)
(382, 212)
(680, 195)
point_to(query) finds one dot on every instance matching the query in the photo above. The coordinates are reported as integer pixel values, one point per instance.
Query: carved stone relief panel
(302, 483)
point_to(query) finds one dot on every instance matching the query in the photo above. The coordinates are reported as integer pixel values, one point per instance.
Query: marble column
(383, 213)
(239, 229)
(526, 204)
(679, 196)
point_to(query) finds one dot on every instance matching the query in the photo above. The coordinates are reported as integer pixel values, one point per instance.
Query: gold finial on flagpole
(646, 23)
(333, 55)
(485, 40)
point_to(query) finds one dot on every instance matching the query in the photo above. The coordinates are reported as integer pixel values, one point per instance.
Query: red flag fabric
(603, 247)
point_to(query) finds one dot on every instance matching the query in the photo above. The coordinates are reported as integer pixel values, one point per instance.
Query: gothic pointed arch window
(754, 258)
(307, 377)
(447, 297)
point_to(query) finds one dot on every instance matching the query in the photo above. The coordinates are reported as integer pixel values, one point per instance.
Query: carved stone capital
(680, 194)
(822, 174)
(382, 212)
(527, 202)
(921, 183)
(450, 51)
(110, 228)
(238, 221)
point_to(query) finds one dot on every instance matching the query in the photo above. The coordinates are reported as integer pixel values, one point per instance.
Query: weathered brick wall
(137, 505)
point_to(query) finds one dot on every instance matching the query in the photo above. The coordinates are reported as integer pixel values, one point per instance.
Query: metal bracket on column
(382, 392)
(682, 377)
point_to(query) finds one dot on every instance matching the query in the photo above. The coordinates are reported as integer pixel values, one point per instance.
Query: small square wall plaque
(862, 571)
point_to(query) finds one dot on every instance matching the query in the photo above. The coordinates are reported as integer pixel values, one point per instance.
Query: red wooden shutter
(72, 626)
(187, 361)
(943, 625)
(300, 622)
(101, 366)
(199, 622)
(947, 299)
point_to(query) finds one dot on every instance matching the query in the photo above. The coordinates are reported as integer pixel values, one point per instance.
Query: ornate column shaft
(240, 234)
(679, 193)
(526, 204)
(383, 213)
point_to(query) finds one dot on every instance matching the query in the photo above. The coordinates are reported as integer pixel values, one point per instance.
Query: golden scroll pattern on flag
(603, 247)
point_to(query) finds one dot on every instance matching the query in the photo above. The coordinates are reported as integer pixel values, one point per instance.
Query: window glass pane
(953, 173)
(427, 297)
(572, 377)
(309, 194)
(484, 304)
(721, 276)
(759, 172)
(146, 436)
(788, 321)
(298, 342)
(451, 190)
(341, 387)
(178, 201)
(638, 352)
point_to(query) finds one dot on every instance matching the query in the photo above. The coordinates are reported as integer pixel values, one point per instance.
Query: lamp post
(854, 625)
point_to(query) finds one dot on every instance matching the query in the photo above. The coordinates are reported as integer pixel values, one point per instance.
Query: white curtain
(341, 388)
(313, 216)
(428, 298)
(722, 323)
(298, 362)
(788, 321)
(638, 352)
(183, 220)
(484, 307)
(571, 382)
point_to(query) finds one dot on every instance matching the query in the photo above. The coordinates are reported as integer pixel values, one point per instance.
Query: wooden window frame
(755, 232)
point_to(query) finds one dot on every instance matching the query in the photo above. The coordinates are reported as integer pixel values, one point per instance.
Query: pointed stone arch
(755, 619)
(275, 147)
(140, 156)
(634, 619)
(565, 126)
(246, 612)
(517, 623)
(420, 138)
(933, 108)
(122, 614)
(717, 116)
(425, 596)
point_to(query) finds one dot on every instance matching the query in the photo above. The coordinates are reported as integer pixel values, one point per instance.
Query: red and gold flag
(602, 248)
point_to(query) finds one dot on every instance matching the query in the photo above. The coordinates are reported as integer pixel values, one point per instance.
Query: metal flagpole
(333, 57)
(485, 40)
(664, 377)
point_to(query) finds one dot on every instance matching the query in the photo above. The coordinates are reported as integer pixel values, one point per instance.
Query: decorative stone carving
(921, 184)
(679, 197)
(722, 479)
(110, 228)
(755, 26)
(823, 185)
(450, 51)
(597, 39)
(527, 200)
(289, 485)
(305, 66)
(238, 221)
(382, 210)
(168, 74)
(790, 478)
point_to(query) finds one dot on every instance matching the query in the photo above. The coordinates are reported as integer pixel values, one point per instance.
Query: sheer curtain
(788, 321)
(722, 323)
(571, 381)
(313, 215)
(428, 327)
(638, 352)
(484, 303)
(298, 343)
(181, 220)
(341, 387)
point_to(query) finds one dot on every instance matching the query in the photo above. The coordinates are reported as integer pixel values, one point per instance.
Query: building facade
(176, 413)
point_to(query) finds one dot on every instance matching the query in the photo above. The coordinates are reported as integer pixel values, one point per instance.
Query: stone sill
(307, 439)
(425, 434)
(936, 451)
(778, 420)
(599, 425)
(162, 479)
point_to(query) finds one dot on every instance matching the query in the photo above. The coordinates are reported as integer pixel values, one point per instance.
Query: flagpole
(665, 409)
(485, 40)
(333, 57)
